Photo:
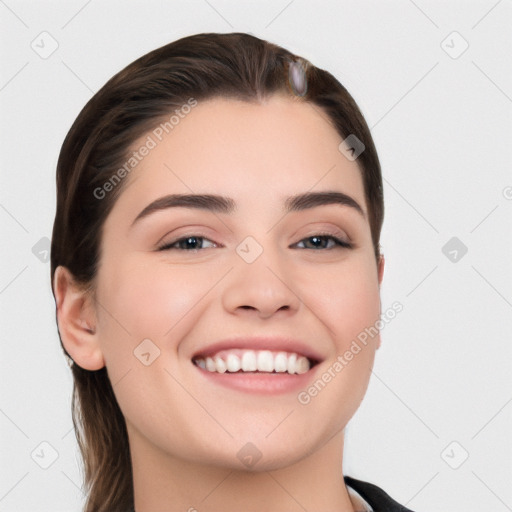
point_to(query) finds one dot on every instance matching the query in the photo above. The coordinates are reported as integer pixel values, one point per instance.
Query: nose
(261, 289)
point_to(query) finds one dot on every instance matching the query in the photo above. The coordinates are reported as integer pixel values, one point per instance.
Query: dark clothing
(375, 496)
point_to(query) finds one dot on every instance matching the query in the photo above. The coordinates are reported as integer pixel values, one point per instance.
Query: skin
(184, 435)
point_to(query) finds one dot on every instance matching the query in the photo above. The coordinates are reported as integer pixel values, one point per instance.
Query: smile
(250, 361)
(258, 370)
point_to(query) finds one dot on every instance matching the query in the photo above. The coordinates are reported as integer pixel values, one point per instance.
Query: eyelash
(341, 244)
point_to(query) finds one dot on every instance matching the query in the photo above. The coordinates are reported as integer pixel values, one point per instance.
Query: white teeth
(265, 361)
(220, 364)
(249, 361)
(210, 365)
(233, 363)
(292, 359)
(281, 362)
(252, 361)
(302, 365)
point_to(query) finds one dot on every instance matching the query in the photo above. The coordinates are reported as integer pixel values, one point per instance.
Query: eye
(323, 242)
(188, 243)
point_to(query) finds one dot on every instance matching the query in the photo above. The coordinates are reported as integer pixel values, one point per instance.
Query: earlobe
(381, 268)
(77, 321)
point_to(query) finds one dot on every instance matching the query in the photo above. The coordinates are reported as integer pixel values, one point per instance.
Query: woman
(215, 259)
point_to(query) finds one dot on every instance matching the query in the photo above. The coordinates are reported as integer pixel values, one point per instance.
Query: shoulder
(379, 500)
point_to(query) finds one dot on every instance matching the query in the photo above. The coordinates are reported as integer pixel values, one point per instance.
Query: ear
(76, 319)
(381, 275)
(381, 268)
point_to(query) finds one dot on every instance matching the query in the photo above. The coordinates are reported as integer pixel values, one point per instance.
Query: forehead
(249, 151)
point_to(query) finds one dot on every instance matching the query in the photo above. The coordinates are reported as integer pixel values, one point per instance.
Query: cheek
(353, 306)
(151, 298)
(149, 302)
(346, 299)
(142, 301)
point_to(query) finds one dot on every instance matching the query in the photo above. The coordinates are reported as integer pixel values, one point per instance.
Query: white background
(442, 126)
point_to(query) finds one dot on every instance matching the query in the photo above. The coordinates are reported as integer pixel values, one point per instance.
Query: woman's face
(238, 274)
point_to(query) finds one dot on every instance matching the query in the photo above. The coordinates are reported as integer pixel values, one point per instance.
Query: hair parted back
(203, 66)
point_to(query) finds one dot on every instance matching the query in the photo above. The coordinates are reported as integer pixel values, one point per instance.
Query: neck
(162, 482)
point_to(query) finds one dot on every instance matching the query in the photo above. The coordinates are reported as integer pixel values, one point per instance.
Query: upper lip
(261, 343)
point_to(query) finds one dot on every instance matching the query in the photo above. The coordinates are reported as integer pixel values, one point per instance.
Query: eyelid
(333, 231)
(185, 231)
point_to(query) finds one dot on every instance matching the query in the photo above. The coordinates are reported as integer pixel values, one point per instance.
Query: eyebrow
(222, 204)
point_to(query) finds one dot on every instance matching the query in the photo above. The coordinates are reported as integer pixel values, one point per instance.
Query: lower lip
(261, 383)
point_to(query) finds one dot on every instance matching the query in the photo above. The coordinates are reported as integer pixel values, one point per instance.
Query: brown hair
(202, 66)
